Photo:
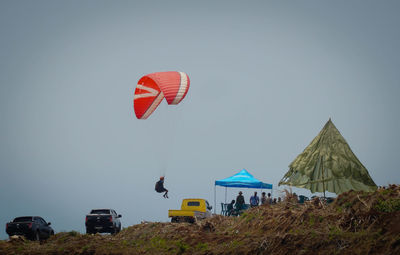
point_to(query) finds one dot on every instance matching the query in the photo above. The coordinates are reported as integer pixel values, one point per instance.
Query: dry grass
(356, 223)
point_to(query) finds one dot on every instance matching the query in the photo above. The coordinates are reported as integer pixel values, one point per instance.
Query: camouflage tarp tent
(328, 164)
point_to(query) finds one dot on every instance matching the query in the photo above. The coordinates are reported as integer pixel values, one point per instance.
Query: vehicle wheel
(114, 231)
(52, 233)
(36, 237)
(88, 231)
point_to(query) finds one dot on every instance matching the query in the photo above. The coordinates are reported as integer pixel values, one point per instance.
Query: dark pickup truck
(32, 227)
(103, 221)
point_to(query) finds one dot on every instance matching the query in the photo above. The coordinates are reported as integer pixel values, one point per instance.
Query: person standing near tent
(239, 202)
(269, 199)
(160, 187)
(263, 198)
(254, 200)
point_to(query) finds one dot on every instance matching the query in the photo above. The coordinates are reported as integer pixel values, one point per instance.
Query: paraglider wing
(152, 88)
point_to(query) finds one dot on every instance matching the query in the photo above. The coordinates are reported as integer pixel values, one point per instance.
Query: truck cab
(103, 221)
(192, 209)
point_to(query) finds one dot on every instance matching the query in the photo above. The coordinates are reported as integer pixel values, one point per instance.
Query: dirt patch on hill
(355, 223)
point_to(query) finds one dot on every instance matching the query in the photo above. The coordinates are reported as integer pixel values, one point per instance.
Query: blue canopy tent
(243, 179)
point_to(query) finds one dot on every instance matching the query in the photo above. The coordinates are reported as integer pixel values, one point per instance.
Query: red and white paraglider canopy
(152, 88)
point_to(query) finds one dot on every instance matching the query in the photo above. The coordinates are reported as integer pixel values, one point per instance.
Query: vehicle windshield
(100, 211)
(22, 219)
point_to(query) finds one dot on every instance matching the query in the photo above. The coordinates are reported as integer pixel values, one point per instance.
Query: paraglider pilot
(160, 187)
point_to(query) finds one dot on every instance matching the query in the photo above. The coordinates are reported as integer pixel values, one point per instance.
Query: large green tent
(328, 164)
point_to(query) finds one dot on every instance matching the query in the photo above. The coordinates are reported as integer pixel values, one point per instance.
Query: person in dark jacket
(160, 187)
(230, 210)
(239, 202)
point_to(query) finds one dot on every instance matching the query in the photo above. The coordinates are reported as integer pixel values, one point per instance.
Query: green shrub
(386, 191)
(158, 242)
(182, 247)
(202, 247)
(334, 231)
(235, 244)
(389, 205)
(250, 217)
(73, 233)
(85, 248)
(312, 220)
(347, 205)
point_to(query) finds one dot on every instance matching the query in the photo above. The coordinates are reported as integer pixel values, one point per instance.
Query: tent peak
(328, 164)
(243, 179)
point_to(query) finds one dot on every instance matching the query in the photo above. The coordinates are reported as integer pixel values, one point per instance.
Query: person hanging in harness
(160, 187)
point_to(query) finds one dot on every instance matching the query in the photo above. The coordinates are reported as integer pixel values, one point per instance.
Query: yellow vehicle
(192, 209)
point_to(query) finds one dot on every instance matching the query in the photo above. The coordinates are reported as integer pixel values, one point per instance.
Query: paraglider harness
(160, 188)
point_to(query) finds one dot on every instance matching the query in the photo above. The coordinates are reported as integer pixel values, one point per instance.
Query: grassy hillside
(356, 223)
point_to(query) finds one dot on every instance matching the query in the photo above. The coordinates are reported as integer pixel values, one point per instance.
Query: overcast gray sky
(265, 78)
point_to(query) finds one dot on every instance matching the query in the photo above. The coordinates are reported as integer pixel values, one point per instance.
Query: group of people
(235, 207)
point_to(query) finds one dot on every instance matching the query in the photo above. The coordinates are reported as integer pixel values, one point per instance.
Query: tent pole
(323, 181)
(226, 189)
(215, 199)
(271, 189)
